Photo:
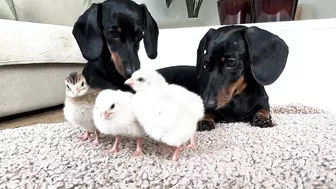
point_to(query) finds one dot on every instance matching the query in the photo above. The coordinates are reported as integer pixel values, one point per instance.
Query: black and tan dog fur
(234, 63)
(108, 35)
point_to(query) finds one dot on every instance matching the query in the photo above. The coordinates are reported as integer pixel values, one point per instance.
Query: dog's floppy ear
(268, 55)
(151, 33)
(87, 33)
(200, 53)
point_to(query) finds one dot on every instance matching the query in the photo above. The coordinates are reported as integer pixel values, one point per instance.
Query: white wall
(318, 9)
(309, 77)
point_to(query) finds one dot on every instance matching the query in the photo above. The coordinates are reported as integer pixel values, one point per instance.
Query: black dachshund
(108, 35)
(234, 63)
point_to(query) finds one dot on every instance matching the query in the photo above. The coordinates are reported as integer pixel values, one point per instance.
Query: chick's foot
(176, 153)
(192, 144)
(115, 148)
(138, 150)
(85, 136)
(96, 142)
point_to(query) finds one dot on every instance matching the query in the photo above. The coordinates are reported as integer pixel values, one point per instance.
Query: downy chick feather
(79, 102)
(121, 120)
(168, 113)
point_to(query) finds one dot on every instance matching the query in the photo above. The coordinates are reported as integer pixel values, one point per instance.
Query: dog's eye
(207, 66)
(138, 35)
(112, 34)
(231, 63)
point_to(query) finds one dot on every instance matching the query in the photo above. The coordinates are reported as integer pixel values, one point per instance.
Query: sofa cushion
(60, 12)
(5, 10)
(31, 43)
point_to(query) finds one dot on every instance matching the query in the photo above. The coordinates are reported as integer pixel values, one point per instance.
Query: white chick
(168, 113)
(78, 105)
(113, 114)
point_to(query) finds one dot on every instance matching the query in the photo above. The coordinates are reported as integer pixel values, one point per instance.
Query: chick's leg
(115, 147)
(168, 147)
(96, 142)
(192, 144)
(138, 150)
(86, 135)
(176, 153)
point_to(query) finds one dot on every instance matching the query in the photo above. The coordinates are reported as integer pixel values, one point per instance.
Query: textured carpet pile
(299, 152)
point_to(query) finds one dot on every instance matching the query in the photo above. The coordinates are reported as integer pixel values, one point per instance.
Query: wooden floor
(50, 115)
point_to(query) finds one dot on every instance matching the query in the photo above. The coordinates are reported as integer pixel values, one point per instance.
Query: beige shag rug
(300, 152)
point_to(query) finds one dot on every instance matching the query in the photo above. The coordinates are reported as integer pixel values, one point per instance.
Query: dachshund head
(235, 56)
(115, 28)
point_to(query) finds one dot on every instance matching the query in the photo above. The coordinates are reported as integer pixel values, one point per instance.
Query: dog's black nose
(131, 66)
(210, 105)
(209, 101)
(128, 74)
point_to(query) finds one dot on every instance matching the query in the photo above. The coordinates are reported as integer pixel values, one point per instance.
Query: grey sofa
(37, 51)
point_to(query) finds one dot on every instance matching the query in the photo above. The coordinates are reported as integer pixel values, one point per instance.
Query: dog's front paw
(206, 125)
(261, 121)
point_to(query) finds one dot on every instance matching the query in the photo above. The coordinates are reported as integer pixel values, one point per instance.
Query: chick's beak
(106, 114)
(129, 82)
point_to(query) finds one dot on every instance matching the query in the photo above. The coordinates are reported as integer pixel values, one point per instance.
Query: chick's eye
(112, 106)
(140, 79)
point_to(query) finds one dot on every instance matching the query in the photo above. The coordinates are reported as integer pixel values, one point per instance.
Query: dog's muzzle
(209, 102)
